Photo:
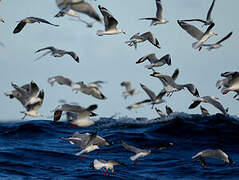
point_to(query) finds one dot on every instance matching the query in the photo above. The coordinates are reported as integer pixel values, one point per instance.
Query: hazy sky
(108, 58)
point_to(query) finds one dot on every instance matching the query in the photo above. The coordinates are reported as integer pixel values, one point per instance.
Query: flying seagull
(82, 119)
(147, 36)
(154, 99)
(139, 152)
(159, 19)
(110, 23)
(2, 20)
(218, 43)
(29, 96)
(79, 6)
(168, 110)
(209, 19)
(229, 83)
(58, 53)
(128, 89)
(170, 86)
(217, 153)
(155, 62)
(197, 34)
(208, 99)
(23, 22)
(93, 91)
(106, 165)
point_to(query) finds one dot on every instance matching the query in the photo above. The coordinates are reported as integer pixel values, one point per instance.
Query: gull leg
(72, 126)
(103, 171)
(84, 156)
(136, 162)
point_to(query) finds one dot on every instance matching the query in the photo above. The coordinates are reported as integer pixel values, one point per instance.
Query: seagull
(66, 10)
(137, 38)
(154, 99)
(218, 43)
(60, 80)
(58, 53)
(155, 62)
(197, 34)
(139, 152)
(110, 23)
(217, 153)
(229, 83)
(128, 89)
(82, 117)
(23, 22)
(105, 165)
(209, 19)
(138, 104)
(80, 139)
(87, 142)
(95, 92)
(204, 111)
(170, 86)
(159, 19)
(79, 6)
(208, 99)
(29, 96)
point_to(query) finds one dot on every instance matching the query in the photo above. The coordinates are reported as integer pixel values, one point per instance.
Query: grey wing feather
(148, 92)
(209, 14)
(225, 38)
(130, 148)
(49, 47)
(192, 30)
(175, 74)
(159, 12)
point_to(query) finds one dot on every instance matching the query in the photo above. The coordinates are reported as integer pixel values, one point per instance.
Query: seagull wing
(19, 27)
(49, 47)
(175, 74)
(159, 12)
(216, 104)
(73, 55)
(192, 30)
(209, 14)
(194, 104)
(130, 148)
(225, 38)
(148, 92)
(43, 21)
(109, 20)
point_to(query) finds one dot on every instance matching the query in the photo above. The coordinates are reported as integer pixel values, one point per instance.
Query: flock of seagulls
(31, 97)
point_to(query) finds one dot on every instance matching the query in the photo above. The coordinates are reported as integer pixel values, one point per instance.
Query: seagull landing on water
(139, 152)
(106, 165)
(147, 36)
(159, 19)
(155, 62)
(110, 23)
(57, 53)
(218, 43)
(87, 142)
(217, 153)
(208, 99)
(31, 20)
(197, 34)
(209, 19)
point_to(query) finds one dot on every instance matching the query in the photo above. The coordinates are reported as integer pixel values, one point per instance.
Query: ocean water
(33, 149)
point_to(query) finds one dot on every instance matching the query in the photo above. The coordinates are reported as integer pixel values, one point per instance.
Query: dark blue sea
(33, 149)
